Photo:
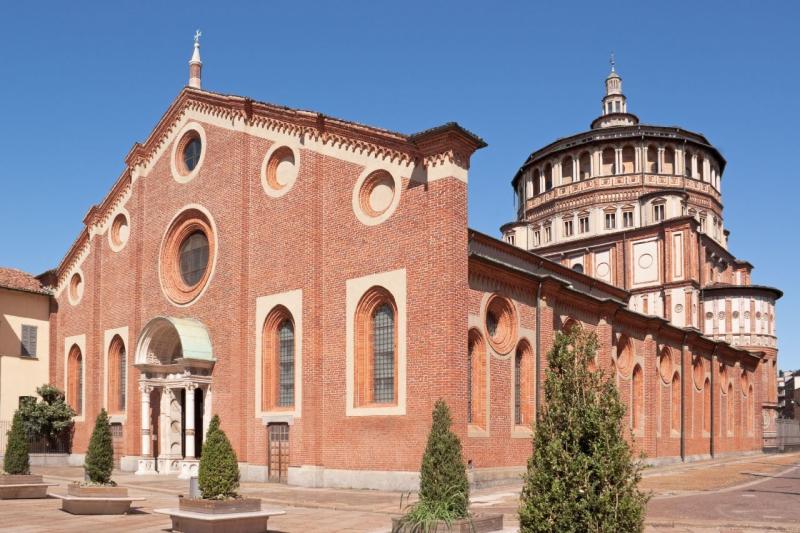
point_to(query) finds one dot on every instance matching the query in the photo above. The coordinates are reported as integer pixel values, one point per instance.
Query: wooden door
(278, 452)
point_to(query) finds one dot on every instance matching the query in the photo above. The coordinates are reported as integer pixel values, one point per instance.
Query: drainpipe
(538, 348)
(711, 397)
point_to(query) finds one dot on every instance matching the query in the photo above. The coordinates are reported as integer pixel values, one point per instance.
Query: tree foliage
(100, 455)
(443, 472)
(15, 460)
(582, 476)
(49, 417)
(219, 467)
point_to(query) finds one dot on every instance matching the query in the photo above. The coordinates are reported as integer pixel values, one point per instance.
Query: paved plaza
(743, 494)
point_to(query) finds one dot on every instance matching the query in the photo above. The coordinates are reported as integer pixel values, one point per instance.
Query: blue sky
(81, 84)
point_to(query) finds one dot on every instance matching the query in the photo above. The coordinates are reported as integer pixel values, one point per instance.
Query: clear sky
(79, 85)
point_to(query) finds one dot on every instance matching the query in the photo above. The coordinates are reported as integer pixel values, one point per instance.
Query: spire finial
(195, 64)
(612, 62)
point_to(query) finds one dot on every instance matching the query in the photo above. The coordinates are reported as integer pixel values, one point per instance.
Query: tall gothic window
(117, 368)
(523, 385)
(75, 379)
(376, 348)
(278, 360)
(476, 379)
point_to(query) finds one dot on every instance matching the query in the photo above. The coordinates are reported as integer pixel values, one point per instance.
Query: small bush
(219, 467)
(50, 418)
(100, 455)
(16, 460)
(443, 484)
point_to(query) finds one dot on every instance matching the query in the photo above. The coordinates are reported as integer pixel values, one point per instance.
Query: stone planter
(75, 489)
(15, 487)
(236, 505)
(241, 515)
(477, 523)
(95, 500)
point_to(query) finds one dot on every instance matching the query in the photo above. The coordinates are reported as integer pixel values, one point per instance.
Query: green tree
(582, 476)
(100, 456)
(16, 460)
(49, 418)
(443, 483)
(219, 468)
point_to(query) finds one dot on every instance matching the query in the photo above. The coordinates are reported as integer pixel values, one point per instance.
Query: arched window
(669, 161)
(278, 360)
(566, 170)
(548, 177)
(687, 164)
(701, 171)
(75, 379)
(628, 160)
(651, 159)
(624, 355)
(537, 179)
(637, 400)
(585, 166)
(751, 402)
(476, 379)
(731, 414)
(523, 385)
(117, 370)
(675, 407)
(376, 348)
(706, 406)
(608, 164)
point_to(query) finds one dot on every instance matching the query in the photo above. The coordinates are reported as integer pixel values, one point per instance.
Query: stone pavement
(738, 494)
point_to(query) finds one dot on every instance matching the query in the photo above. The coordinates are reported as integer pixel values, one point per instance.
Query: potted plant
(16, 480)
(220, 507)
(443, 504)
(98, 494)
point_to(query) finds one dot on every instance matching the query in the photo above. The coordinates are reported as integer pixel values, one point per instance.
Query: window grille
(286, 360)
(191, 154)
(517, 389)
(29, 341)
(194, 258)
(383, 350)
(122, 369)
(116, 430)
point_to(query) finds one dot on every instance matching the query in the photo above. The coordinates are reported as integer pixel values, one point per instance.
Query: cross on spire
(612, 62)
(197, 35)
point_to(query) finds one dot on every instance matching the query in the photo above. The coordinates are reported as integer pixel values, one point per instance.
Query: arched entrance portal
(175, 359)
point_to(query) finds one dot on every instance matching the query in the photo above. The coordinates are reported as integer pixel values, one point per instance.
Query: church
(314, 282)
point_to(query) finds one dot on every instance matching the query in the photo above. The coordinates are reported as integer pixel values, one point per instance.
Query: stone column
(189, 430)
(617, 160)
(206, 411)
(576, 169)
(145, 391)
(660, 167)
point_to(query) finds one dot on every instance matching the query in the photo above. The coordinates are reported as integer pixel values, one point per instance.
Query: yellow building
(24, 340)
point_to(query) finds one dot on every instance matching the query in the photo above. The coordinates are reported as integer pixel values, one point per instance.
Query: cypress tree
(582, 476)
(218, 476)
(443, 476)
(15, 461)
(100, 456)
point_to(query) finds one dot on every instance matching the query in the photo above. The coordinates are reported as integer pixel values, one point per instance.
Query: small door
(278, 452)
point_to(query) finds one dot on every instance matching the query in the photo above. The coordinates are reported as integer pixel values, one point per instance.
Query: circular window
(665, 366)
(75, 290)
(678, 308)
(118, 235)
(736, 314)
(375, 197)
(747, 315)
(722, 315)
(279, 171)
(709, 315)
(188, 152)
(577, 267)
(187, 256)
(501, 324)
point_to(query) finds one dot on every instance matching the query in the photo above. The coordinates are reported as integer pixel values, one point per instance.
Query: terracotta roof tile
(11, 278)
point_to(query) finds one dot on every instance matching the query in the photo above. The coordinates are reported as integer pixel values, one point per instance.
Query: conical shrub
(219, 467)
(443, 476)
(582, 476)
(100, 456)
(16, 461)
